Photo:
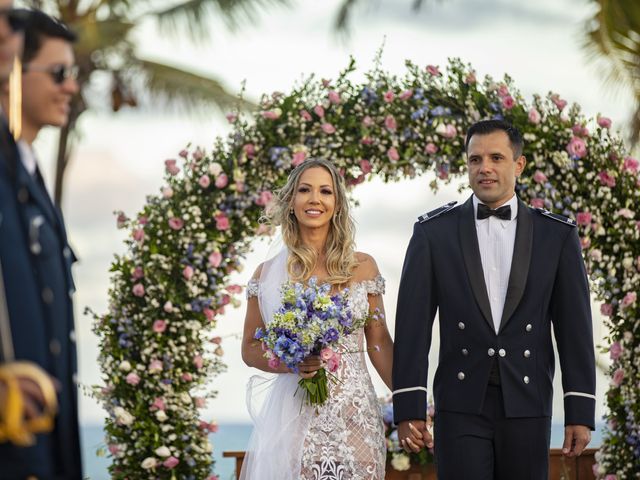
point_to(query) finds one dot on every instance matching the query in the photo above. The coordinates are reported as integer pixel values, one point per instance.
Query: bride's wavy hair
(340, 245)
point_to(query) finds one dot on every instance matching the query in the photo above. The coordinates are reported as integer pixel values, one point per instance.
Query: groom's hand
(414, 436)
(576, 438)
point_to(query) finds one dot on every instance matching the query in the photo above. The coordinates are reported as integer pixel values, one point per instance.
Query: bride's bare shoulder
(367, 268)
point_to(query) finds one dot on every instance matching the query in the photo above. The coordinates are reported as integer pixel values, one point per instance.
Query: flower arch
(157, 343)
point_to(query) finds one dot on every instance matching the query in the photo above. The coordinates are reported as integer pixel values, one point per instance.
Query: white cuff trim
(404, 390)
(579, 394)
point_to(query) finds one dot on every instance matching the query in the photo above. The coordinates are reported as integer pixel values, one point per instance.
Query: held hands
(414, 435)
(310, 366)
(576, 438)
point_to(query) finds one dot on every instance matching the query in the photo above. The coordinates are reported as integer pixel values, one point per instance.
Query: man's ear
(521, 161)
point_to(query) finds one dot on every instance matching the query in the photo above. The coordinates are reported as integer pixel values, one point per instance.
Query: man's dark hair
(485, 127)
(39, 27)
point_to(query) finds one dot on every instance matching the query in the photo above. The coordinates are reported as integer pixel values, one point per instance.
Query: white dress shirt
(496, 239)
(27, 156)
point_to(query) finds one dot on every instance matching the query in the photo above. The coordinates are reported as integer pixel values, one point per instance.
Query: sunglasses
(17, 18)
(59, 73)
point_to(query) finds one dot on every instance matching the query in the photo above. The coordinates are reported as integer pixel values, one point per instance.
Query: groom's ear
(521, 161)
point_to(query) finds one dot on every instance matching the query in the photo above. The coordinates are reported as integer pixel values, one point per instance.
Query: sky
(120, 157)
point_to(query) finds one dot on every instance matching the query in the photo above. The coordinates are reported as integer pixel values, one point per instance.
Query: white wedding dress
(340, 440)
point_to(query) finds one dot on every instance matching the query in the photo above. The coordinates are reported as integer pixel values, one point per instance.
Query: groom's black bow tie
(503, 213)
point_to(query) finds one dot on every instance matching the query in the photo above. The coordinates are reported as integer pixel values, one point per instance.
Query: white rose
(161, 416)
(215, 169)
(125, 366)
(163, 451)
(400, 462)
(627, 263)
(122, 416)
(186, 398)
(148, 463)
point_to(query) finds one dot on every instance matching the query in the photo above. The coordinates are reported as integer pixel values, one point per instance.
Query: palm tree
(106, 45)
(613, 35)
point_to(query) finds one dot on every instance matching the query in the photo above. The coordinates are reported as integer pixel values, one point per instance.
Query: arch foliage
(172, 285)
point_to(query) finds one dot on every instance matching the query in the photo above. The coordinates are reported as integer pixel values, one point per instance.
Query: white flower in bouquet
(149, 463)
(163, 451)
(161, 416)
(122, 416)
(400, 462)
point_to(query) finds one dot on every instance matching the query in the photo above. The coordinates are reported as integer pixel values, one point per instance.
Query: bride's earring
(291, 211)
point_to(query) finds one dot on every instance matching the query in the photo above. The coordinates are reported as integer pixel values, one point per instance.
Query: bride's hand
(310, 366)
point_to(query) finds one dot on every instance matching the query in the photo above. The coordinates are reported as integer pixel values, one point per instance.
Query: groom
(502, 276)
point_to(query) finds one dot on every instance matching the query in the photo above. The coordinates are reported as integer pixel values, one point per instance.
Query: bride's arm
(379, 342)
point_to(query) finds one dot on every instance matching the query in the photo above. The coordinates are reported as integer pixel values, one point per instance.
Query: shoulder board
(558, 218)
(437, 212)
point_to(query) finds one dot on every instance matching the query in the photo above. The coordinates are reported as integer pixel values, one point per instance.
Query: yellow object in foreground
(14, 427)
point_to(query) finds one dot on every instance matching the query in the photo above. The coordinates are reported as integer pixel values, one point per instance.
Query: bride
(343, 438)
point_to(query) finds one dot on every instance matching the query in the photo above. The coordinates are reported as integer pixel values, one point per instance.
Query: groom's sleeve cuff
(579, 409)
(409, 404)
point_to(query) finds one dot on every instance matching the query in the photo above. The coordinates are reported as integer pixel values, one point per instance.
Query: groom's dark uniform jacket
(548, 289)
(36, 266)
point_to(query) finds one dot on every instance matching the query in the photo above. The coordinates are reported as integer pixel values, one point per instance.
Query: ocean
(231, 437)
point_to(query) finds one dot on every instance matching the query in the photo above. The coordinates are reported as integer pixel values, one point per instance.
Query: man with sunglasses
(36, 259)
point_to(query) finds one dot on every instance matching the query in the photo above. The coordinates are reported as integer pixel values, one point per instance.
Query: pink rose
(208, 313)
(176, 223)
(628, 300)
(367, 121)
(171, 167)
(326, 353)
(187, 377)
(534, 116)
(159, 326)
(187, 272)
(216, 340)
(607, 179)
(264, 198)
(558, 102)
(433, 70)
(137, 274)
(319, 111)
(365, 166)
(334, 363)
(222, 180)
(272, 114)
(326, 82)
(234, 289)
(114, 449)
(167, 192)
(393, 154)
(138, 290)
(508, 102)
(406, 95)
(306, 116)
(298, 157)
(328, 128)
(121, 220)
(204, 181)
(539, 177)
(138, 235)
(200, 402)
(334, 97)
(583, 218)
(274, 363)
(143, 220)
(615, 350)
(222, 222)
(625, 213)
(577, 147)
(431, 148)
(171, 462)
(611, 476)
(618, 376)
(537, 202)
(606, 309)
(450, 131)
(580, 131)
(240, 186)
(249, 150)
(470, 79)
(503, 91)
(198, 362)
(366, 141)
(155, 366)
(133, 378)
(631, 165)
(184, 153)
(231, 117)
(390, 123)
(198, 154)
(389, 96)
(215, 258)
(604, 122)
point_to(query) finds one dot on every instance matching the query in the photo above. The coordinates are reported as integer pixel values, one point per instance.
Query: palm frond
(343, 18)
(170, 86)
(196, 15)
(613, 35)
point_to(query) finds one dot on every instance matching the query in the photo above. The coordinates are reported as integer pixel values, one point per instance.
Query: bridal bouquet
(310, 321)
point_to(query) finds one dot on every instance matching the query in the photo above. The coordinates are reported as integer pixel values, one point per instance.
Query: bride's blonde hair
(340, 245)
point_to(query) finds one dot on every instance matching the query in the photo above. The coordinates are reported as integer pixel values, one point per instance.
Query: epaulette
(437, 212)
(558, 218)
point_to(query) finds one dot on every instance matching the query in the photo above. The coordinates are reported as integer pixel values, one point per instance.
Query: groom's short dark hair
(485, 127)
(39, 27)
